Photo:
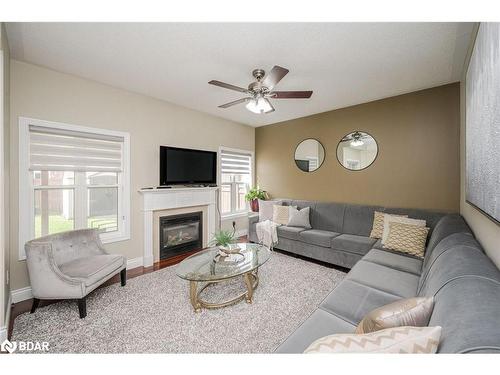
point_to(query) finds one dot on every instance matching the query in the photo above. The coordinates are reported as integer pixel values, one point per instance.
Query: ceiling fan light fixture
(259, 105)
(357, 142)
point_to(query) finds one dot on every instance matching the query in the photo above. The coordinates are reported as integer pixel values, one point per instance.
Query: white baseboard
(4, 330)
(134, 263)
(23, 294)
(241, 232)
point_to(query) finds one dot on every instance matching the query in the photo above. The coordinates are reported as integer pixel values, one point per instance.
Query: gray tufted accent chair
(70, 265)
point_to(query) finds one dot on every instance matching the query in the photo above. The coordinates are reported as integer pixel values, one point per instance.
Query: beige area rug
(152, 314)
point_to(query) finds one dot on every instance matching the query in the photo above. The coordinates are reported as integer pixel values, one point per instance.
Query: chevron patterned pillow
(413, 340)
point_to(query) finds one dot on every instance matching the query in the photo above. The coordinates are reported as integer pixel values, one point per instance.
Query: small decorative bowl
(231, 249)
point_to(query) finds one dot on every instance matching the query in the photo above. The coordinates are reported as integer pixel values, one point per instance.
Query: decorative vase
(254, 205)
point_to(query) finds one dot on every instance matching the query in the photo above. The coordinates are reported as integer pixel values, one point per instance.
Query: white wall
(486, 231)
(4, 184)
(48, 95)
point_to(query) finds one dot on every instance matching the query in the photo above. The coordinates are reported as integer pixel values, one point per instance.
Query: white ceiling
(343, 63)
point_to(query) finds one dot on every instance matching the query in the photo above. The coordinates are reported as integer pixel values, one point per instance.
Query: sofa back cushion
(328, 216)
(358, 219)
(468, 309)
(447, 225)
(450, 261)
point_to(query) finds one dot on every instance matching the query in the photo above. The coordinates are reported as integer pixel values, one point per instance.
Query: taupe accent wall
(418, 163)
(49, 95)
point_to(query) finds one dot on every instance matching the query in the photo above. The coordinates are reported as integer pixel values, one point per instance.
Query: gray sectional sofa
(463, 280)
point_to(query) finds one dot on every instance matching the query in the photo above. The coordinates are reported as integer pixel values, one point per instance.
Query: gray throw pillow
(266, 209)
(299, 218)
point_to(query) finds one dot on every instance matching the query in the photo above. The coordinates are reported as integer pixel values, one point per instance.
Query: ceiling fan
(261, 91)
(356, 138)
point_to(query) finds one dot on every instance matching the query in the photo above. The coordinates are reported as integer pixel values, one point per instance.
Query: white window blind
(53, 149)
(236, 162)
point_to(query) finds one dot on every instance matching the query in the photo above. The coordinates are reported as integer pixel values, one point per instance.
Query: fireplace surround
(163, 202)
(180, 233)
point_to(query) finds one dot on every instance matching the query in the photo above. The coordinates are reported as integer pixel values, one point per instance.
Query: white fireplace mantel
(174, 198)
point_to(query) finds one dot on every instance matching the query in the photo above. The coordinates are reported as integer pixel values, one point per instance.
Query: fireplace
(180, 234)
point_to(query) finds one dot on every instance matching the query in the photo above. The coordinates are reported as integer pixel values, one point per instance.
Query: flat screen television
(182, 166)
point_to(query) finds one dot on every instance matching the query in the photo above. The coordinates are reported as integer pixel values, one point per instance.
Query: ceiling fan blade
(274, 76)
(291, 94)
(227, 86)
(230, 104)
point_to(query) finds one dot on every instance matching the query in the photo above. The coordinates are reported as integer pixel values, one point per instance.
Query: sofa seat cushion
(384, 278)
(353, 243)
(394, 260)
(93, 268)
(351, 301)
(320, 323)
(292, 233)
(318, 237)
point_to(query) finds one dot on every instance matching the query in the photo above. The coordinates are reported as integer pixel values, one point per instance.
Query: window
(72, 177)
(236, 179)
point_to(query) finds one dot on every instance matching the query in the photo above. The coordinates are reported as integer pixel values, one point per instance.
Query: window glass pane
(102, 210)
(102, 178)
(53, 178)
(241, 204)
(225, 198)
(226, 177)
(54, 210)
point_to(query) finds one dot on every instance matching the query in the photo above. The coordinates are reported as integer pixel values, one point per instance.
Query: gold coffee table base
(251, 280)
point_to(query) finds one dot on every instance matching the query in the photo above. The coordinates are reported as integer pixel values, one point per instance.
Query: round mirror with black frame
(357, 151)
(309, 155)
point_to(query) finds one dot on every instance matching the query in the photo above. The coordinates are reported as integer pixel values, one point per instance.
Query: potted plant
(223, 239)
(253, 196)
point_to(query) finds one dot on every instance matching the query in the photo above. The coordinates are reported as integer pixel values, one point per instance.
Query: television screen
(185, 166)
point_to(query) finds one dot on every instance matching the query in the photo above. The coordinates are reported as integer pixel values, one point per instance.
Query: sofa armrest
(47, 280)
(253, 219)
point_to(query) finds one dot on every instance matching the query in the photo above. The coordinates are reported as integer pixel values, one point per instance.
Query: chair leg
(123, 276)
(35, 304)
(82, 307)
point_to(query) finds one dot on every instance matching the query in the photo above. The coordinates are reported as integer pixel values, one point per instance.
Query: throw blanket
(267, 233)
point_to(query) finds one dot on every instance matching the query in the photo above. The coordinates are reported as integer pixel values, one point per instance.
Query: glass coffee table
(209, 267)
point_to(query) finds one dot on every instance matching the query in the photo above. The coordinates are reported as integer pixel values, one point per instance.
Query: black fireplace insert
(180, 234)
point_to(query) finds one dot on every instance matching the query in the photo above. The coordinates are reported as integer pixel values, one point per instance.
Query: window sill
(234, 215)
(118, 237)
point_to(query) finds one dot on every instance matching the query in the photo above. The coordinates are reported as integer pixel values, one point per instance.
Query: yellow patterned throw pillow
(378, 223)
(407, 238)
(412, 340)
(280, 214)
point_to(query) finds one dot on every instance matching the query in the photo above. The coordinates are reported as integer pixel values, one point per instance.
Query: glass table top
(207, 265)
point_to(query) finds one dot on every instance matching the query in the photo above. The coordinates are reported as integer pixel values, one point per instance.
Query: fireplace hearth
(180, 234)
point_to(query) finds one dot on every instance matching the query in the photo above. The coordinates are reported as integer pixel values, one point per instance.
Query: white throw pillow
(399, 219)
(266, 209)
(413, 340)
(299, 218)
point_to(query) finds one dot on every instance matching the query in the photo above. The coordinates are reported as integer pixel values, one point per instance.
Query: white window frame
(230, 215)
(26, 188)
